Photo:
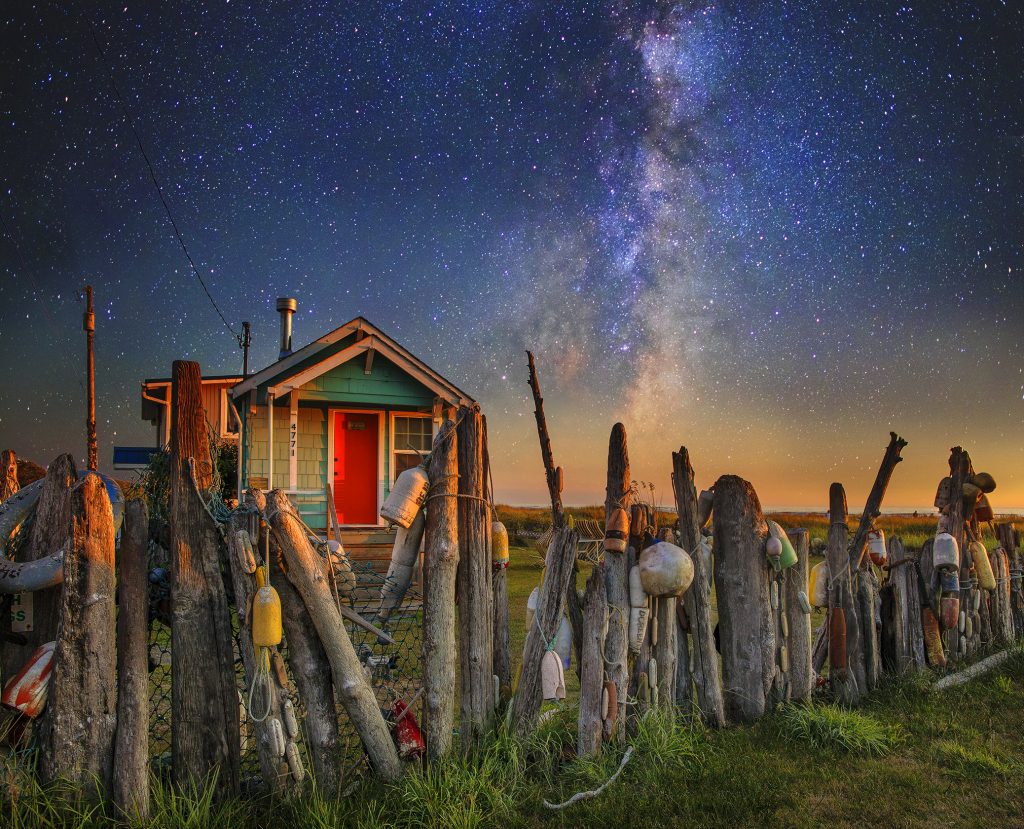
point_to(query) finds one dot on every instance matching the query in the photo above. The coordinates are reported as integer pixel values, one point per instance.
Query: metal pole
(246, 340)
(89, 326)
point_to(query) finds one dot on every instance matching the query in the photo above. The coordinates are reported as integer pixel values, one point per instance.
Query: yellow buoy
(982, 566)
(499, 544)
(266, 614)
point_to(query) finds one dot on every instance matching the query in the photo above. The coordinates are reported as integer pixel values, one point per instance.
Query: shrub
(832, 728)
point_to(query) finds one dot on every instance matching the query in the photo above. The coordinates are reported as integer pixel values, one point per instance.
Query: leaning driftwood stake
(745, 614)
(78, 743)
(476, 611)
(550, 609)
(616, 643)
(697, 600)
(354, 693)
(204, 700)
(441, 563)
(131, 747)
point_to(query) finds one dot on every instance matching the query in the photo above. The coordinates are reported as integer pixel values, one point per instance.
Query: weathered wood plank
(617, 495)
(204, 700)
(747, 629)
(78, 736)
(476, 610)
(592, 666)
(441, 565)
(798, 641)
(130, 784)
(697, 600)
(846, 664)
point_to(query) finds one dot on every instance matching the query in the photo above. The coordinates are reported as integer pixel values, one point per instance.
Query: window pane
(403, 461)
(413, 434)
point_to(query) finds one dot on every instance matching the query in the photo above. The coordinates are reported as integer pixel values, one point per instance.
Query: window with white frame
(412, 438)
(228, 421)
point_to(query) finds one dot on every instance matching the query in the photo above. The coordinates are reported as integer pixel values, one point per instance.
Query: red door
(355, 467)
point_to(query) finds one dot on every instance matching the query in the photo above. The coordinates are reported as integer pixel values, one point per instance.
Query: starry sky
(771, 232)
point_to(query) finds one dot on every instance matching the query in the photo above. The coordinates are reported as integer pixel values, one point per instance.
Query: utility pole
(89, 326)
(246, 341)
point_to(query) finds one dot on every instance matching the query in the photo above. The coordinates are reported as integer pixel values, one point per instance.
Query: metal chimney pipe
(286, 307)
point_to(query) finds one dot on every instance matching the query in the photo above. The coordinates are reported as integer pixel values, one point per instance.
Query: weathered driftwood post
(1012, 592)
(476, 613)
(311, 671)
(308, 662)
(204, 700)
(501, 649)
(902, 638)
(441, 564)
(845, 657)
(270, 710)
(8, 474)
(550, 609)
(959, 472)
(745, 615)
(591, 723)
(130, 787)
(801, 677)
(51, 529)
(697, 600)
(353, 691)
(78, 739)
(873, 506)
(616, 581)
(639, 689)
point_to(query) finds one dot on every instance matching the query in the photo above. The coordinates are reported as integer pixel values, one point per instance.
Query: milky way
(769, 231)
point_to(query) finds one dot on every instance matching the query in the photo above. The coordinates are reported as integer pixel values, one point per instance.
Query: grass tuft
(832, 728)
(969, 763)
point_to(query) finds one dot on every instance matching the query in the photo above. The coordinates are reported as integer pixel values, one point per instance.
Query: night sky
(771, 232)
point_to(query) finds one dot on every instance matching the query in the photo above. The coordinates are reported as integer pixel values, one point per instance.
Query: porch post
(270, 440)
(293, 440)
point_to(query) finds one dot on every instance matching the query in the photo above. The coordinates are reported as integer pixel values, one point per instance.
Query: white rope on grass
(587, 795)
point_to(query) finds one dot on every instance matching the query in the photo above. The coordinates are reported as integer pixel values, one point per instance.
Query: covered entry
(356, 454)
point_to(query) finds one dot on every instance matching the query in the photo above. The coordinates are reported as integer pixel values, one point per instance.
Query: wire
(159, 190)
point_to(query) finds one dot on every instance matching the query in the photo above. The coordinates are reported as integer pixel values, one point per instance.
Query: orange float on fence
(837, 643)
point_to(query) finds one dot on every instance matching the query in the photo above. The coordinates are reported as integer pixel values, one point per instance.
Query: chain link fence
(394, 671)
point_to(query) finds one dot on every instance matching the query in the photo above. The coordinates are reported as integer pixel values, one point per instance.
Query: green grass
(829, 727)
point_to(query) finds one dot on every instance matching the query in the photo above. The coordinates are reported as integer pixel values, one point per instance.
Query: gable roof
(294, 370)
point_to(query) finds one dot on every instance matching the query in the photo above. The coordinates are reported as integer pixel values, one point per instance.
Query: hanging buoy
(932, 638)
(876, 547)
(531, 607)
(949, 580)
(773, 594)
(971, 495)
(837, 643)
(616, 531)
(552, 676)
(982, 566)
(969, 625)
(27, 690)
(406, 497)
(277, 740)
(983, 511)
(610, 704)
(499, 545)
(704, 550)
(291, 722)
(638, 611)
(787, 557)
(652, 673)
(784, 625)
(404, 556)
(654, 627)
(705, 503)
(961, 624)
(945, 551)
(295, 762)
(563, 642)
(817, 588)
(805, 604)
(983, 481)
(949, 609)
(408, 737)
(266, 614)
(665, 569)
(773, 549)
(784, 658)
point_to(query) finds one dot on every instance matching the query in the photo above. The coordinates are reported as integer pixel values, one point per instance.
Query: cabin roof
(295, 370)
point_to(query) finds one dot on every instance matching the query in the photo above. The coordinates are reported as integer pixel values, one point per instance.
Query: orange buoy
(610, 708)
(949, 609)
(932, 638)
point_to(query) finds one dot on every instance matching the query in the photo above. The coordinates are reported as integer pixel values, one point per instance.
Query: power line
(156, 183)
